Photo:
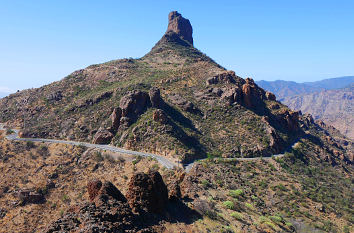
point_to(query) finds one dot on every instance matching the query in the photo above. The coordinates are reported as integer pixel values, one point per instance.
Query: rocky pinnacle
(181, 26)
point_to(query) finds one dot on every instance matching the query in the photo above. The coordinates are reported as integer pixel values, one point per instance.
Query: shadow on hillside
(178, 117)
(176, 212)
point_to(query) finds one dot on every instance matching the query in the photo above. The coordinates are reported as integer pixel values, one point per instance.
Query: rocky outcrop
(232, 95)
(155, 97)
(181, 26)
(147, 193)
(160, 116)
(184, 104)
(134, 104)
(100, 193)
(270, 96)
(289, 119)
(93, 188)
(226, 77)
(131, 106)
(110, 211)
(103, 136)
(55, 96)
(252, 95)
(30, 197)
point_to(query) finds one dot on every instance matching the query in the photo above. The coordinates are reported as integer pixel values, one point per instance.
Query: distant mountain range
(284, 89)
(330, 100)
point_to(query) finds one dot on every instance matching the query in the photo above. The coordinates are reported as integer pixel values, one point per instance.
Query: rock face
(147, 193)
(155, 97)
(251, 95)
(93, 187)
(131, 106)
(134, 104)
(181, 26)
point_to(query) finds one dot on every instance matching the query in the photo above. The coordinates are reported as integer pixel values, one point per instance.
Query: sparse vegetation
(229, 205)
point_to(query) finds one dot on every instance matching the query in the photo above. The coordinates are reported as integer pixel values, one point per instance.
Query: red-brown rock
(155, 97)
(93, 188)
(270, 96)
(103, 136)
(181, 26)
(147, 193)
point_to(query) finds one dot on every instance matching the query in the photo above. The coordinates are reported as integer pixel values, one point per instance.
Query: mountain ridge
(178, 103)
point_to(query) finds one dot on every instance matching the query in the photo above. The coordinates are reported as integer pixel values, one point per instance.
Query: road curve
(188, 167)
(162, 160)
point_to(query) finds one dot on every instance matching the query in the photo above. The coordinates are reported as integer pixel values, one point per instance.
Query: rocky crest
(181, 26)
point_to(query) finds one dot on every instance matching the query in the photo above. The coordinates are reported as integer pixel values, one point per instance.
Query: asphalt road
(161, 159)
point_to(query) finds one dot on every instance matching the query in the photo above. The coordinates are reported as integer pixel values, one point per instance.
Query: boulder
(147, 193)
(30, 197)
(101, 193)
(103, 136)
(270, 96)
(181, 26)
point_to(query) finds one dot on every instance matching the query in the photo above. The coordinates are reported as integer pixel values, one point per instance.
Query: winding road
(161, 159)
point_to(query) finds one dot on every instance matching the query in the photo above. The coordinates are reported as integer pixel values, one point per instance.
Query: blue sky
(43, 41)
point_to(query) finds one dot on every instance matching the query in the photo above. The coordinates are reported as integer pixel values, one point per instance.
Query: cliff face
(335, 107)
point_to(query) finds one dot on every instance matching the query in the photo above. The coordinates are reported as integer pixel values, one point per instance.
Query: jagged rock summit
(181, 26)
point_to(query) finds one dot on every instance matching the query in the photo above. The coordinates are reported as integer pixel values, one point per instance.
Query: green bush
(276, 219)
(236, 193)
(263, 219)
(237, 215)
(205, 183)
(249, 206)
(229, 205)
